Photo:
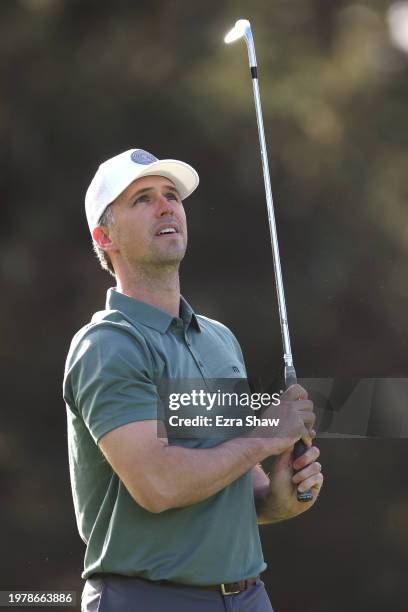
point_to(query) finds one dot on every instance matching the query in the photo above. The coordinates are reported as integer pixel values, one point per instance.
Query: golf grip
(300, 447)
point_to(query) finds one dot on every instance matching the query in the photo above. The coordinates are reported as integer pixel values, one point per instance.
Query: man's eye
(142, 198)
(172, 196)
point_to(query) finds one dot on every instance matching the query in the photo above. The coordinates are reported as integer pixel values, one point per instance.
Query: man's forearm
(267, 507)
(267, 510)
(182, 476)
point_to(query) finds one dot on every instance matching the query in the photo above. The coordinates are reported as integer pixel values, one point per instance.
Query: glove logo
(142, 157)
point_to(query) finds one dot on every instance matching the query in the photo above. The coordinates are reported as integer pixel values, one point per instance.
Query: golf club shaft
(287, 352)
(290, 373)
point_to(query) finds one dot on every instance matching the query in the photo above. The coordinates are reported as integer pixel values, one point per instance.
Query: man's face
(149, 223)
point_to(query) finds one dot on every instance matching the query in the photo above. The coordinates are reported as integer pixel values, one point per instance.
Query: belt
(227, 588)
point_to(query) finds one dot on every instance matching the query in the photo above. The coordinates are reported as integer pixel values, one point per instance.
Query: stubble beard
(160, 265)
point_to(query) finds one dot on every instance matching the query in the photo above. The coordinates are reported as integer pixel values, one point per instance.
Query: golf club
(242, 29)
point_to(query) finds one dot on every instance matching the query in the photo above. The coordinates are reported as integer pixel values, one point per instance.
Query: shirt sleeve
(110, 380)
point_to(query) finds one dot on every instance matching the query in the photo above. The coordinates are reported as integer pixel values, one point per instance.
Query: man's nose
(164, 206)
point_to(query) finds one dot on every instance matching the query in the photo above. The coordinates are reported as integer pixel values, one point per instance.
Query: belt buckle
(224, 592)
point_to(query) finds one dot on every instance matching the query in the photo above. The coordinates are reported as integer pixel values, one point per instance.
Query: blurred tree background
(85, 79)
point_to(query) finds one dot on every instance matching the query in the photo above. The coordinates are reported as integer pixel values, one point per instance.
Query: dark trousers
(114, 593)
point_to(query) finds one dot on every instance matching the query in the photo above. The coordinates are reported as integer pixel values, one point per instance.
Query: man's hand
(277, 500)
(296, 420)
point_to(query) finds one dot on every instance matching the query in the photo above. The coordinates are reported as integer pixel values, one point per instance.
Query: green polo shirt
(113, 370)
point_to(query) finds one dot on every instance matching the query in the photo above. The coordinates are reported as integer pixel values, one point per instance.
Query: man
(168, 526)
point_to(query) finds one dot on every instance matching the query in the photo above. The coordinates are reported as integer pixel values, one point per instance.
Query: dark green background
(84, 80)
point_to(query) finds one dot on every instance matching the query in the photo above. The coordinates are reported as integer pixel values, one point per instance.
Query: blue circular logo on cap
(142, 157)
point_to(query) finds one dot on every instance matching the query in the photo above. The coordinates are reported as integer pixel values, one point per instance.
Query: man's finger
(295, 392)
(304, 405)
(309, 470)
(314, 482)
(309, 419)
(306, 438)
(308, 457)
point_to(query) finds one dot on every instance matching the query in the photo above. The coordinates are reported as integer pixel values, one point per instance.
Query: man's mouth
(167, 230)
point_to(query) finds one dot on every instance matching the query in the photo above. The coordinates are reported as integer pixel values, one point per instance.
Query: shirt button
(200, 363)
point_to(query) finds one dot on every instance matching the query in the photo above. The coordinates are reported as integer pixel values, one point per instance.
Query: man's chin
(169, 258)
(169, 248)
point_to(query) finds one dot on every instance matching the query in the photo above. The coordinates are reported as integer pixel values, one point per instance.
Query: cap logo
(142, 157)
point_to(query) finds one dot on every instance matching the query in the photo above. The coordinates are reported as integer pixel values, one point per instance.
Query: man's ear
(101, 237)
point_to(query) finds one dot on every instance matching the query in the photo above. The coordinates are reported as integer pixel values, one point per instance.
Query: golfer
(167, 526)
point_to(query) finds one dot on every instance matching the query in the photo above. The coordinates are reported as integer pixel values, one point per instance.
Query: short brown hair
(106, 219)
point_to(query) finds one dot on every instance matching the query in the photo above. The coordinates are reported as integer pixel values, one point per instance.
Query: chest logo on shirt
(236, 369)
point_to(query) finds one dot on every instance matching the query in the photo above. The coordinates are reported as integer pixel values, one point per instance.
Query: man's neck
(159, 288)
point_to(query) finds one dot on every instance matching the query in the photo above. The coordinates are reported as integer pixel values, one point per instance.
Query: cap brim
(184, 177)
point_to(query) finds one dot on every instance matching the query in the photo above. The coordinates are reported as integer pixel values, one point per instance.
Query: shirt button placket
(198, 361)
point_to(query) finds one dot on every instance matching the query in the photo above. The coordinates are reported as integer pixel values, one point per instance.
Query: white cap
(116, 173)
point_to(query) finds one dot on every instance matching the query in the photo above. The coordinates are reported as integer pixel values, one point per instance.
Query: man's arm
(109, 382)
(276, 493)
(159, 476)
(261, 486)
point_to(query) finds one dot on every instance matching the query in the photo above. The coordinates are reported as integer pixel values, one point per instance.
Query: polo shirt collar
(187, 314)
(149, 315)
